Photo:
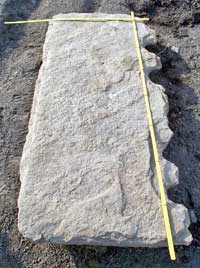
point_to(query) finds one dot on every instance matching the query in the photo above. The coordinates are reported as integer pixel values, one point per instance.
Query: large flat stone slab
(87, 170)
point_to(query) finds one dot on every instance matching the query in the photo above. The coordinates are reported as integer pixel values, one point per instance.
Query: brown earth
(177, 26)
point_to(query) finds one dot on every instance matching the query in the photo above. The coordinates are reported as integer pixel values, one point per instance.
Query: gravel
(177, 25)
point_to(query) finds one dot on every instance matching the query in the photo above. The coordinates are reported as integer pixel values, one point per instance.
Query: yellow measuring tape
(154, 144)
(133, 19)
(77, 19)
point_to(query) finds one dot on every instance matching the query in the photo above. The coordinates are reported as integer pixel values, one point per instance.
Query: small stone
(193, 217)
(175, 49)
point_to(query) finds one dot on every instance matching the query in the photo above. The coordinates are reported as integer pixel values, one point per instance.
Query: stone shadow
(7, 260)
(184, 148)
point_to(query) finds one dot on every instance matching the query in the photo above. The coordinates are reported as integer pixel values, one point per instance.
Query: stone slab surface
(87, 170)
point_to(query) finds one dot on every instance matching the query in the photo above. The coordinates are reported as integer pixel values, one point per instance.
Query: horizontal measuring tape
(76, 19)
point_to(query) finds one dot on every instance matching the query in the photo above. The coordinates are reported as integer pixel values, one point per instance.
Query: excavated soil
(178, 30)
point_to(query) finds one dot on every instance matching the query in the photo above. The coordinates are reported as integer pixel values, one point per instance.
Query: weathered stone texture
(87, 171)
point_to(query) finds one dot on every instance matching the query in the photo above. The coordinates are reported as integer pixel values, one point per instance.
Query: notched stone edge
(178, 213)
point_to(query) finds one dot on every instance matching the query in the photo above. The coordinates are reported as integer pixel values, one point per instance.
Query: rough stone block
(87, 170)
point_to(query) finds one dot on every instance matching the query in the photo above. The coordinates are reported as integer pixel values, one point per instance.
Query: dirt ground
(177, 24)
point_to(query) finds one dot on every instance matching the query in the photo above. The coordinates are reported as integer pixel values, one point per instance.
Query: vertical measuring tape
(154, 143)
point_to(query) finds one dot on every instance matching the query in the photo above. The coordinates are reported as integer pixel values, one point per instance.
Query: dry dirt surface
(178, 27)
